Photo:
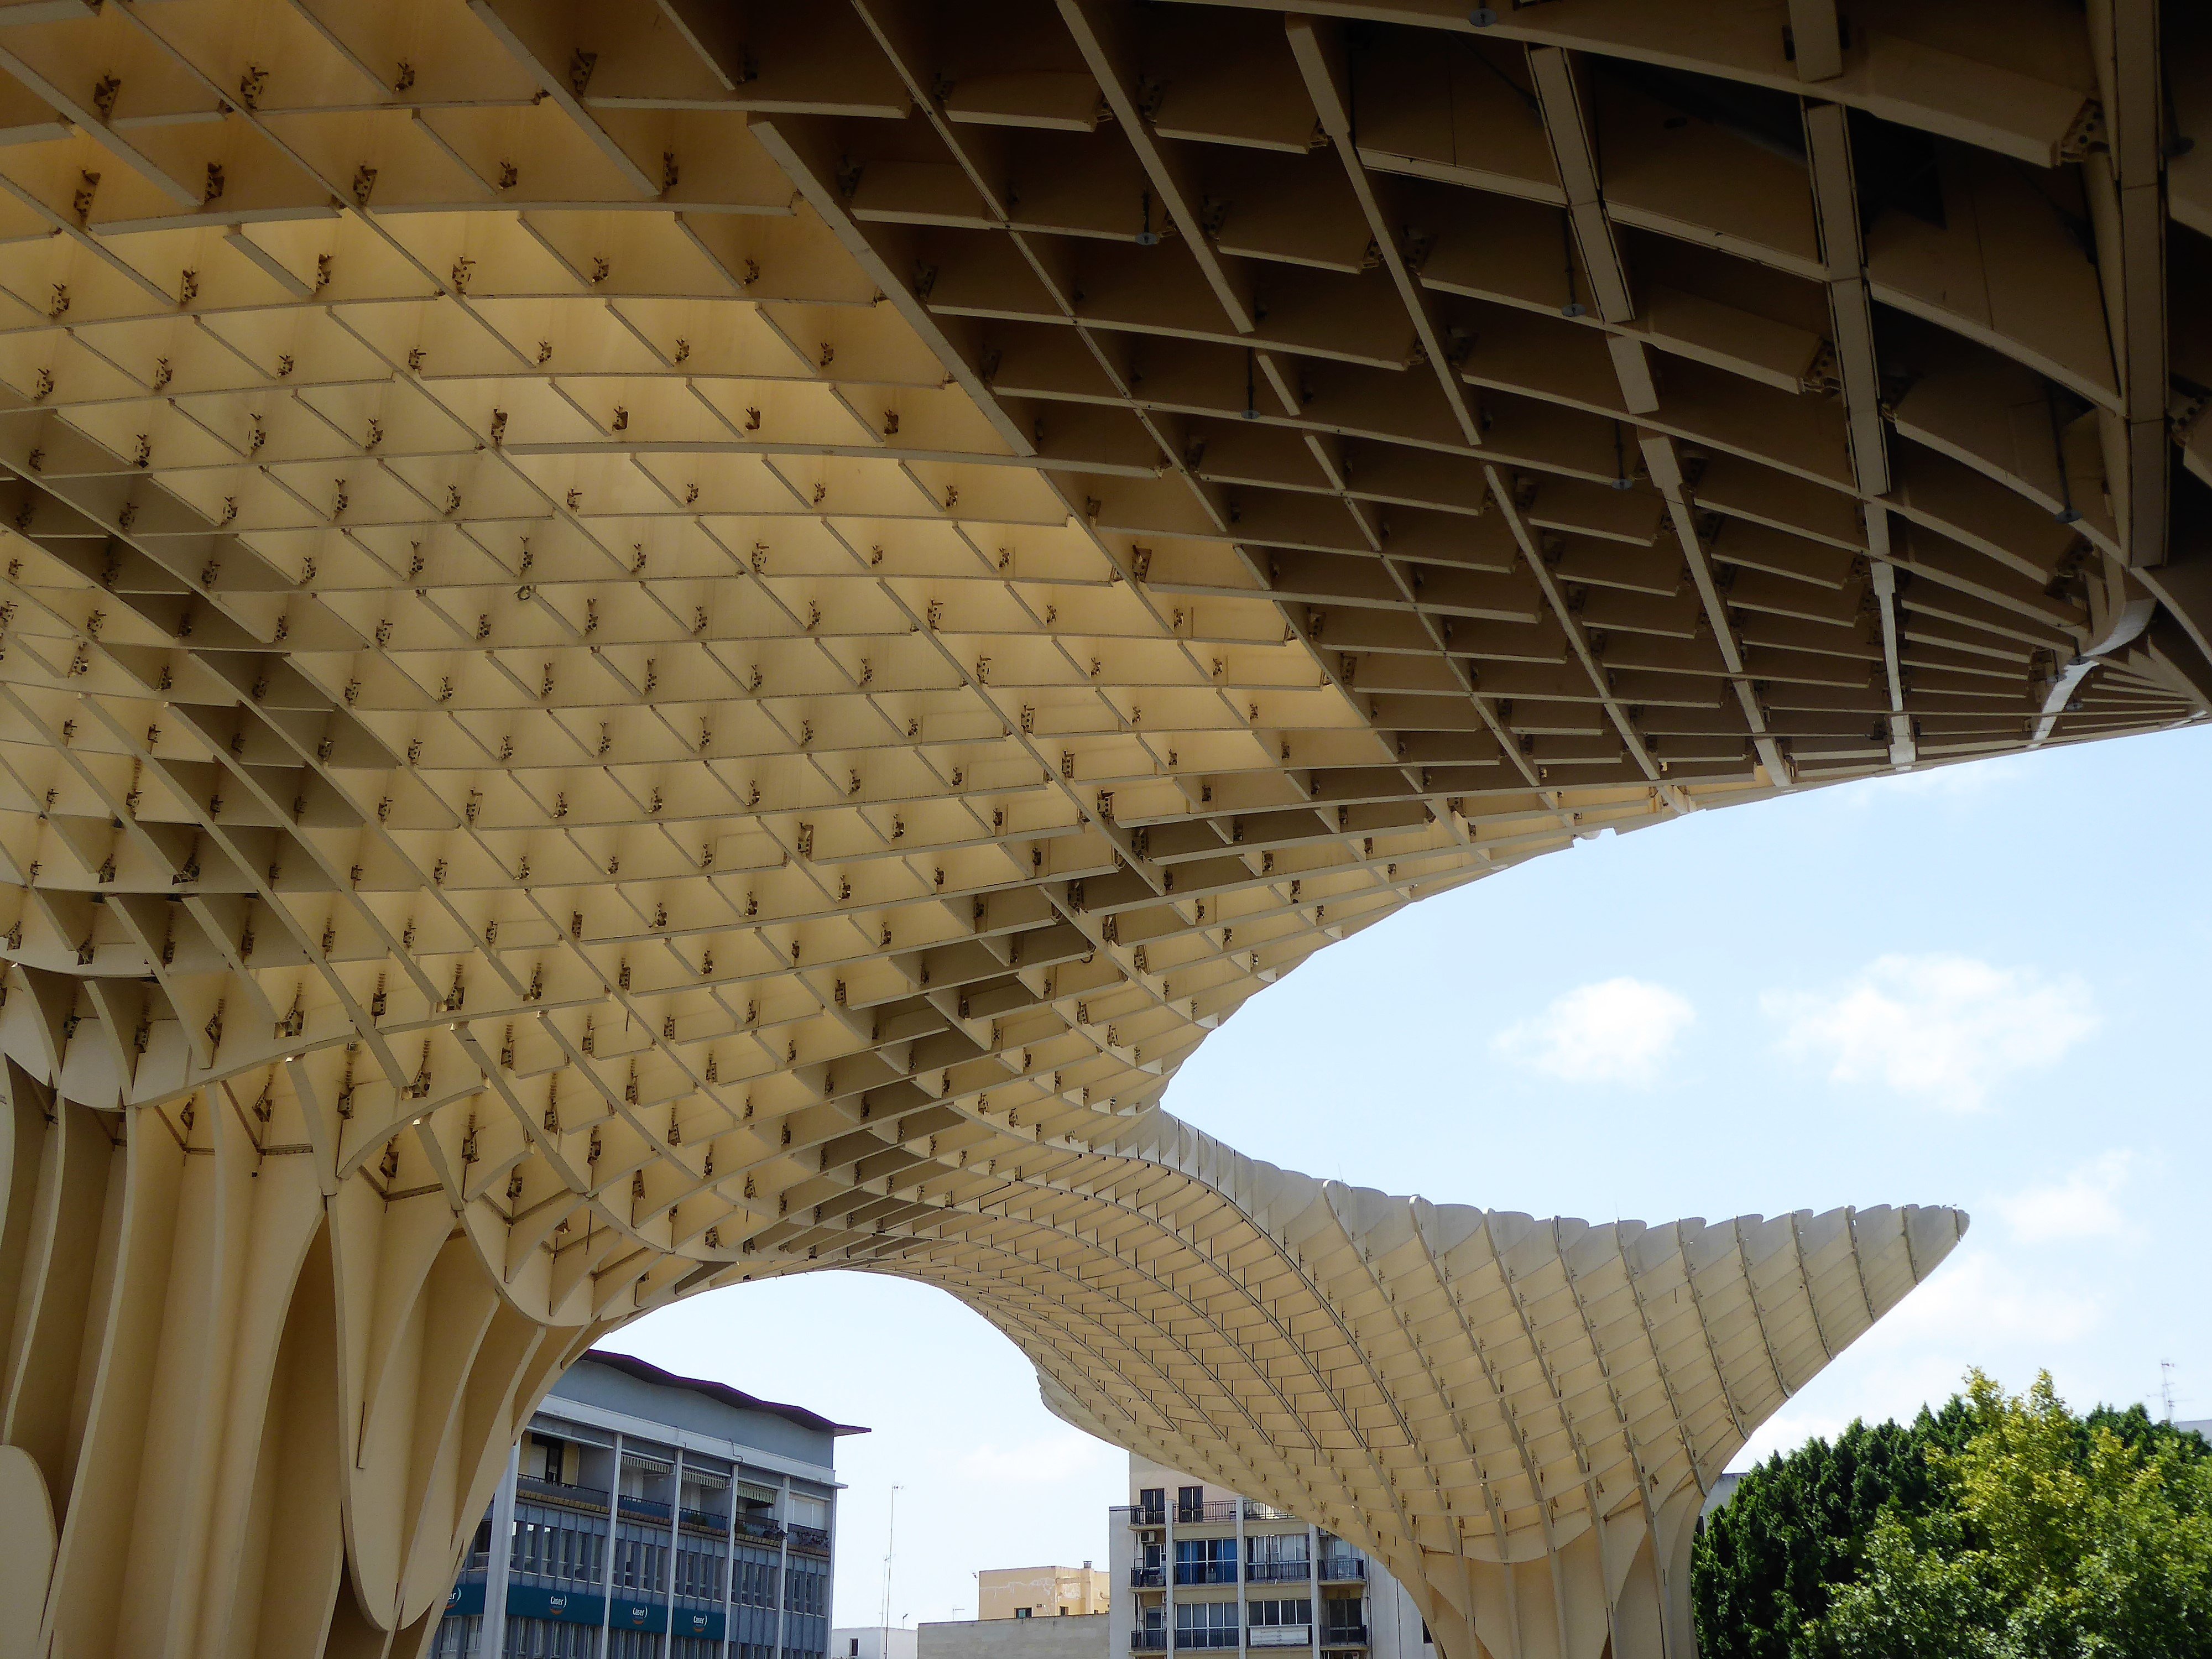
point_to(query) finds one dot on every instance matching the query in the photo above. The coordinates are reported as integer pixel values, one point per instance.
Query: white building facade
(1197, 1567)
(871, 1642)
(648, 1516)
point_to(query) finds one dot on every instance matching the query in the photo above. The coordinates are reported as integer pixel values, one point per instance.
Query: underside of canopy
(650, 643)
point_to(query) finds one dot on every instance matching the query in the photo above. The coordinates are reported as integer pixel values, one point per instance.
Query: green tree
(1996, 1528)
(1767, 1564)
(2063, 1538)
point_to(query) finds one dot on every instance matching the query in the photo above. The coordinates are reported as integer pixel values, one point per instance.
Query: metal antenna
(2166, 1386)
(890, 1537)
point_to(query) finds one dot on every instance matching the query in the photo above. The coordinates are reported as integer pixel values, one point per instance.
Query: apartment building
(1043, 1592)
(648, 1516)
(1198, 1566)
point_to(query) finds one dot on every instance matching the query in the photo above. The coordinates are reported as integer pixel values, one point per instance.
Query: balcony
(1224, 1636)
(760, 1525)
(1200, 1514)
(1278, 1572)
(1206, 1572)
(1255, 1510)
(1344, 1636)
(809, 1537)
(1280, 1636)
(646, 1509)
(1343, 1569)
(706, 1521)
(1147, 1578)
(1148, 1641)
(552, 1491)
(1141, 1516)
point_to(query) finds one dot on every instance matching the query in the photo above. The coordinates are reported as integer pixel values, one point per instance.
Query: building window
(1205, 1624)
(640, 1567)
(1190, 1503)
(1205, 1561)
(1276, 1558)
(1021, 1613)
(548, 1638)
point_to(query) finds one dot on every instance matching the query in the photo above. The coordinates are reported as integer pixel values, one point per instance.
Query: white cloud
(1977, 1304)
(1945, 1028)
(1975, 1309)
(1615, 1031)
(1951, 783)
(2086, 1204)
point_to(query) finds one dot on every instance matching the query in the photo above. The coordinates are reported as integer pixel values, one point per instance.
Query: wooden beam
(1101, 32)
(1850, 311)
(2128, 183)
(1319, 48)
(1566, 123)
(1816, 39)
(1663, 464)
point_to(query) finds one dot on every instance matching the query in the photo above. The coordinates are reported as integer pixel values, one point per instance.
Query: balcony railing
(1147, 1578)
(1206, 1572)
(646, 1509)
(1195, 1514)
(706, 1521)
(1278, 1572)
(1223, 1637)
(1255, 1510)
(591, 1498)
(809, 1537)
(1148, 1641)
(1342, 1568)
(1344, 1636)
(759, 1526)
(1281, 1636)
(1156, 1516)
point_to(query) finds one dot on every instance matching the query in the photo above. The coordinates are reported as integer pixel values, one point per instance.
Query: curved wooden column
(266, 1416)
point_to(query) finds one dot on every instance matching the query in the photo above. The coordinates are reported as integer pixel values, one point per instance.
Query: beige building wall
(1043, 1592)
(1287, 1586)
(1075, 1636)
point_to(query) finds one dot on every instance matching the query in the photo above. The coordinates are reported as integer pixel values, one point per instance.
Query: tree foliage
(2000, 1528)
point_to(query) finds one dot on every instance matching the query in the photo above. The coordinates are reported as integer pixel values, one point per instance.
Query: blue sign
(638, 1615)
(578, 1607)
(568, 1606)
(700, 1622)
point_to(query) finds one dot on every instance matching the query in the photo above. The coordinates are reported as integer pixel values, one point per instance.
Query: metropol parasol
(652, 643)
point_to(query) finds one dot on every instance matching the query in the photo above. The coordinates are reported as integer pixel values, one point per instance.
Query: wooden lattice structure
(652, 643)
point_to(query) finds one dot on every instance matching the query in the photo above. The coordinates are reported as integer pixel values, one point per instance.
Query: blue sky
(1985, 986)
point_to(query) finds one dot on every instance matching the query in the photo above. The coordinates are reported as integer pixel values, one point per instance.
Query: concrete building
(1072, 1636)
(871, 1642)
(721, 1507)
(1197, 1566)
(1042, 1592)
